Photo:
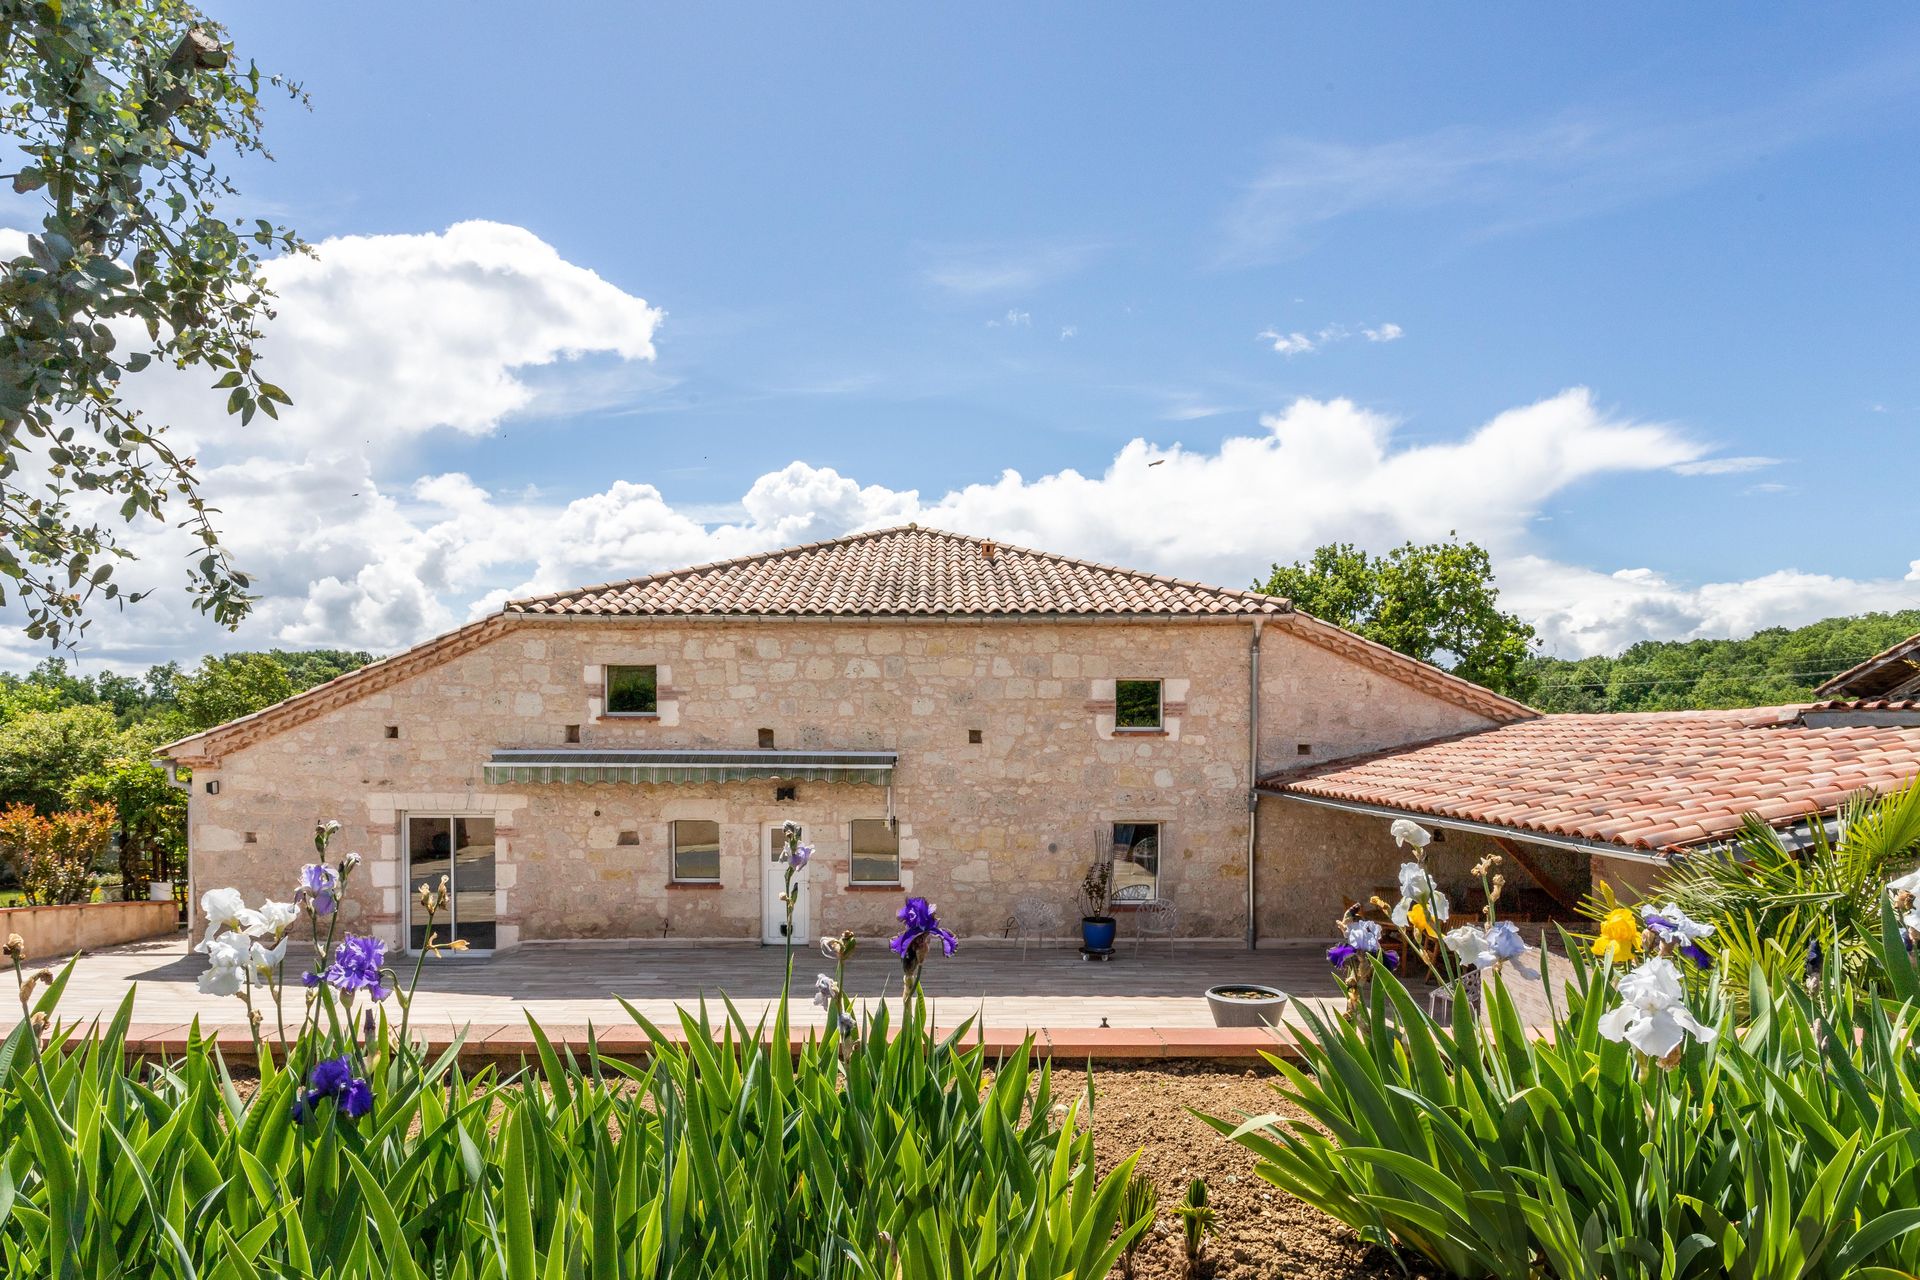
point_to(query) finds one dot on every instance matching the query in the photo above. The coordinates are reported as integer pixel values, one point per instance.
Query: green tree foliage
(1435, 602)
(1774, 666)
(119, 110)
(69, 740)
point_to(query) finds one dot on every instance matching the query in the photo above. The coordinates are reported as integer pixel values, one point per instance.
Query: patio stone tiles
(1143, 1003)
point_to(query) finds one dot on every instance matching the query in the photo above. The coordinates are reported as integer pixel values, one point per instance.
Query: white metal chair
(1156, 917)
(1034, 918)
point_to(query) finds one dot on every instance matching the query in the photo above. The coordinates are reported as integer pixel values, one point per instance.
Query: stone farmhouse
(944, 716)
(953, 718)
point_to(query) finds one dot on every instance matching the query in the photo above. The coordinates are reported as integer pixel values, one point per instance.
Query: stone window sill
(679, 885)
(895, 887)
(1139, 733)
(628, 715)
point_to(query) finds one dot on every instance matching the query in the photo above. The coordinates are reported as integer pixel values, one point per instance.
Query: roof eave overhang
(1575, 844)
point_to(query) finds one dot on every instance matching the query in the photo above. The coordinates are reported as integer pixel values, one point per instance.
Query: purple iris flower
(356, 966)
(1392, 959)
(1341, 953)
(801, 855)
(331, 1075)
(1695, 953)
(920, 921)
(310, 978)
(322, 884)
(334, 1078)
(356, 1099)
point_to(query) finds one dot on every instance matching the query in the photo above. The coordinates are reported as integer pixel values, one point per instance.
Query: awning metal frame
(640, 766)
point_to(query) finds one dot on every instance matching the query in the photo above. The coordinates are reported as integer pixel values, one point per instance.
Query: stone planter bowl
(1231, 1012)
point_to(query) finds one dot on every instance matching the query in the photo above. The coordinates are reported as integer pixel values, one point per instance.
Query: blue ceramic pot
(1097, 932)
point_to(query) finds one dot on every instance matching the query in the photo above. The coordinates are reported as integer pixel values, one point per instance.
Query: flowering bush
(53, 857)
(879, 1151)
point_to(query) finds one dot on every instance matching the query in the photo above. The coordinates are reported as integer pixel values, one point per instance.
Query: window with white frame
(1136, 704)
(875, 843)
(1136, 861)
(633, 691)
(695, 850)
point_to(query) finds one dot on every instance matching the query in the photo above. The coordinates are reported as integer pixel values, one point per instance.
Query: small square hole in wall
(628, 837)
(1303, 748)
(766, 739)
(1439, 835)
(213, 788)
(393, 731)
(975, 736)
(252, 838)
(573, 733)
(786, 793)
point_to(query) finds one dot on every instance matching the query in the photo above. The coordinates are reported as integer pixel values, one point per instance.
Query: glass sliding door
(458, 850)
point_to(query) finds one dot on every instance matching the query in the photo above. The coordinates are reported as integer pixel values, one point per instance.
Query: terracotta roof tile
(902, 571)
(1654, 780)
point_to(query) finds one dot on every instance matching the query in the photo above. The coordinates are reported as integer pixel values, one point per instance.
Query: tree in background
(119, 109)
(150, 813)
(1770, 667)
(1435, 602)
(68, 739)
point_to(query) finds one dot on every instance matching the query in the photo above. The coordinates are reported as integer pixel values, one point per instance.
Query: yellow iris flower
(1417, 917)
(1619, 936)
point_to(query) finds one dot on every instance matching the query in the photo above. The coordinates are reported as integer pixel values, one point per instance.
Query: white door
(773, 912)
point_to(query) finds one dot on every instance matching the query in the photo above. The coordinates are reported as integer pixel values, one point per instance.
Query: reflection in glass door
(460, 850)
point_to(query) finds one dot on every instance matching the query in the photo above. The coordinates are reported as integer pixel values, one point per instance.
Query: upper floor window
(1136, 704)
(876, 852)
(696, 850)
(633, 691)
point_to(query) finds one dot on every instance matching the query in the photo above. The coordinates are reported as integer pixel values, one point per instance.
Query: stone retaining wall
(87, 926)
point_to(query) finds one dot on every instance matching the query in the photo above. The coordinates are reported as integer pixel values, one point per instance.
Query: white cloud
(1299, 343)
(1014, 319)
(983, 270)
(1579, 163)
(380, 338)
(396, 336)
(1725, 466)
(1580, 611)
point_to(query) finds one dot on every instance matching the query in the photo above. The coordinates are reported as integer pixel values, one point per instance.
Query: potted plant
(1097, 925)
(1246, 1004)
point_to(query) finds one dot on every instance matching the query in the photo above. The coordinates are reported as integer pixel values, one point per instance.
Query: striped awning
(592, 764)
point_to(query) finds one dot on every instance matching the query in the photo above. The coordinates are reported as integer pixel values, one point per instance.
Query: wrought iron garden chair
(1156, 917)
(1034, 918)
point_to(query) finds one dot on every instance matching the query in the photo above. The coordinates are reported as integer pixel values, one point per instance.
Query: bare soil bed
(1260, 1231)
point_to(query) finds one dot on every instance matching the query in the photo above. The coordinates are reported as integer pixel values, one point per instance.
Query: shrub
(53, 856)
(1781, 1148)
(1772, 901)
(881, 1153)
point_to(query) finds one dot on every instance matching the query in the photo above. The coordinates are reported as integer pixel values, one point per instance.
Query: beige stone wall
(1019, 813)
(1317, 706)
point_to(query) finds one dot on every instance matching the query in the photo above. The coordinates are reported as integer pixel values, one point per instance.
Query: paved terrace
(1150, 1001)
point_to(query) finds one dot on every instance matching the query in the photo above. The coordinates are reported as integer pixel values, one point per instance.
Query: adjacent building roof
(904, 571)
(1894, 672)
(1649, 782)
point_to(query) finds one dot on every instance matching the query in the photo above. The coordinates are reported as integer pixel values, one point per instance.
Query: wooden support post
(1525, 862)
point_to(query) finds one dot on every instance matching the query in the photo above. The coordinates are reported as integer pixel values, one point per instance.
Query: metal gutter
(1253, 773)
(1575, 844)
(915, 619)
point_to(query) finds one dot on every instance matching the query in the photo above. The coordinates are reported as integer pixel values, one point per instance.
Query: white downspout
(1253, 771)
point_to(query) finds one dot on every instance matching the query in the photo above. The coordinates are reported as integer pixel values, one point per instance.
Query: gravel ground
(1260, 1231)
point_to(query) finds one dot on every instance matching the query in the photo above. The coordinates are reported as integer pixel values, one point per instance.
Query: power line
(1697, 677)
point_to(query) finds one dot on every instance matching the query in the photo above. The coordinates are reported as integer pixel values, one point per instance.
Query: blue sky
(888, 253)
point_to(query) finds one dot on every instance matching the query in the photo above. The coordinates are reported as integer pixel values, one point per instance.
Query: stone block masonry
(1010, 773)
